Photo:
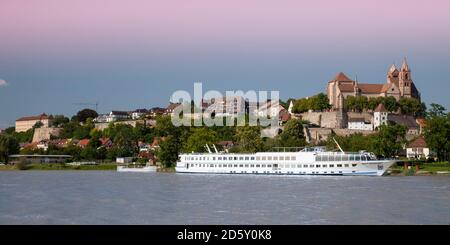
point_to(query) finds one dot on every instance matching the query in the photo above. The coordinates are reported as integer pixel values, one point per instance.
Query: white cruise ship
(309, 161)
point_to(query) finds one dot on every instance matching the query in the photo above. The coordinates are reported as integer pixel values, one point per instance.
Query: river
(108, 197)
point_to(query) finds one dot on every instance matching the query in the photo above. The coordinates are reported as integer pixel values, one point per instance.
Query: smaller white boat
(145, 169)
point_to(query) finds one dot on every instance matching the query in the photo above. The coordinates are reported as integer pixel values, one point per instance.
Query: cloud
(3, 83)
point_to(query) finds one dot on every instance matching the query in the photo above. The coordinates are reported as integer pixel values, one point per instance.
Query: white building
(359, 124)
(380, 116)
(137, 114)
(418, 149)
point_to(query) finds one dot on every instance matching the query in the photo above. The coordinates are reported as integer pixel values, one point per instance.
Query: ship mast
(335, 141)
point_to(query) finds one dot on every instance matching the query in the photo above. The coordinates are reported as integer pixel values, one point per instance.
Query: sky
(55, 54)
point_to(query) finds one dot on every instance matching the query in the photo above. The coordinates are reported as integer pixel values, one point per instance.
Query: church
(399, 84)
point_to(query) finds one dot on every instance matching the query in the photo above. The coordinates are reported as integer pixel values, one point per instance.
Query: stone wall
(41, 134)
(323, 119)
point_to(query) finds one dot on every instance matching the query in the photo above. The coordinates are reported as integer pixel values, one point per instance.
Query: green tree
(437, 131)
(249, 139)
(168, 151)
(59, 121)
(293, 135)
(84, 114)
(198, 138)
(390, 140)
(411, 106)
(8, 145)
(390, 103)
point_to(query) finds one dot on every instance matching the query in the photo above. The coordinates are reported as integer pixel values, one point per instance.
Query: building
(418, 149)
(380, 116)
(359, 124)
(137, 114)
(399, 84)
(232, 106)
(113, 116)
(405, 120)
(25, 123)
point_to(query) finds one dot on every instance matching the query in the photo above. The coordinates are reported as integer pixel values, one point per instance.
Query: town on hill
(389, 119)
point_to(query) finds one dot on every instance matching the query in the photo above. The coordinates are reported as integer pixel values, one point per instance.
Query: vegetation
(437, 131)
(318, 102)
(8, 145)
(407, 106)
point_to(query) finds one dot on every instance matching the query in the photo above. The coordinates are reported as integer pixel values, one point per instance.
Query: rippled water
(107, 197)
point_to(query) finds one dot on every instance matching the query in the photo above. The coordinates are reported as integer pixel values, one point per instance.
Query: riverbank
(58, 166)
(425, 169)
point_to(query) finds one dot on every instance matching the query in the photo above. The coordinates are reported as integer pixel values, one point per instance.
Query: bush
(21, 165)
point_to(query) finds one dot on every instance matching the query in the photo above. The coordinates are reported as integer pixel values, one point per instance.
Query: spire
(405, 66)
(392, 69)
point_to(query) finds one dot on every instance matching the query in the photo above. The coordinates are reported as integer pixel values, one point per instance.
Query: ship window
(358, 158)
(252, 158)
(354, 165)
(246, 158)
(220, 158)
(246, 165)
(241, 158)
(331, 165)
(275, 158)
(211, 165)
(299, 166)
(311, 166)
(224, 158)
(288, 158)
(263, 158)
(275, 165)
(305, 166)
(318, 158)
(235, 158)
(317, 166)
(230, 158)
(269, 158)
(346, 165)
(257, 165)
(258, 158)
(230, 165)
(363, 158)
(252, 165)
(352, 157)
(293, 158)
(325, 158)
(339, 165)
(344, 158)
(235, 165)
(269, 166)
(282, 159)
(241, 165)
(324, 166)
(214, 158)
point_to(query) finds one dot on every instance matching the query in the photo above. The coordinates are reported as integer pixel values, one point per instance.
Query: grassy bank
(425, 169)
(58, 166)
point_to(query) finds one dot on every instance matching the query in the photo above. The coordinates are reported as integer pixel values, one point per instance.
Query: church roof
(342, 77)
(393, 69)
(371, 88)
(380, 108)
(418, 143)
(346, 87)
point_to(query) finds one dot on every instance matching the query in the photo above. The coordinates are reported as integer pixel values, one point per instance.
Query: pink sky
(198, 22)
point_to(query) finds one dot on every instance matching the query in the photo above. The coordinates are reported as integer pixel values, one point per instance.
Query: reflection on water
(103, 197)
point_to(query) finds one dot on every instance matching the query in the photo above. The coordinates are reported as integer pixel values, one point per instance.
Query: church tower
(405, 81)
(392, 75)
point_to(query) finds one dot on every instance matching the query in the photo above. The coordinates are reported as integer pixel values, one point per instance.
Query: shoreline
(395, 172)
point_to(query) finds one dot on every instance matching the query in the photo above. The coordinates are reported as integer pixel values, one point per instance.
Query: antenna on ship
(335, 141)
(215, 148)
(207, 148)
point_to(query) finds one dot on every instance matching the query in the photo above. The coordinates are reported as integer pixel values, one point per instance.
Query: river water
(108, 197)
